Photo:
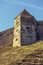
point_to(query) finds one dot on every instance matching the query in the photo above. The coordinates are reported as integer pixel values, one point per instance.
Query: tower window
(28, 27)
(16, 30)
(16, 39)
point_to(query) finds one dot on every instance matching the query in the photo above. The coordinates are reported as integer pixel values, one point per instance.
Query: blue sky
(9, 9)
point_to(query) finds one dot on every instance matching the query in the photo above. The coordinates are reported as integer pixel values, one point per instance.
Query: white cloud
(24, 4)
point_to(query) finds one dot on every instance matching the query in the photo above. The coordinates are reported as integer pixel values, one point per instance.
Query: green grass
(25, 55)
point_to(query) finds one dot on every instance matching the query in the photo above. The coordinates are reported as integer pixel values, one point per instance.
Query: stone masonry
(25, 29)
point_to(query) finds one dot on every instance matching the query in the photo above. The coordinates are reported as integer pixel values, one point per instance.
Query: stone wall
(28, 31)
(17, 32)
(40, 30)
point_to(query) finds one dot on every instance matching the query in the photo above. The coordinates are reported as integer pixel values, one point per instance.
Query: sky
(9, 9)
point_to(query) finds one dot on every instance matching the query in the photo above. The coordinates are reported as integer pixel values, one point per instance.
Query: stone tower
(24, 29)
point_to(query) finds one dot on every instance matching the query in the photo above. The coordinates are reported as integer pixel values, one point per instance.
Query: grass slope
(25, 55)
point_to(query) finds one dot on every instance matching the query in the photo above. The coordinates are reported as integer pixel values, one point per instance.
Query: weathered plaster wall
(17, 31)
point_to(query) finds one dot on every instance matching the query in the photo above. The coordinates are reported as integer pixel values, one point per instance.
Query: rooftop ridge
(24, 11)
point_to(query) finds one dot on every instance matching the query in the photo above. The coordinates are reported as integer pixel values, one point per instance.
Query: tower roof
(25, 12)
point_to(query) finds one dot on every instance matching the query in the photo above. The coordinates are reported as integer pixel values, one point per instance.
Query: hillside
(6, 37)
(25, 55)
